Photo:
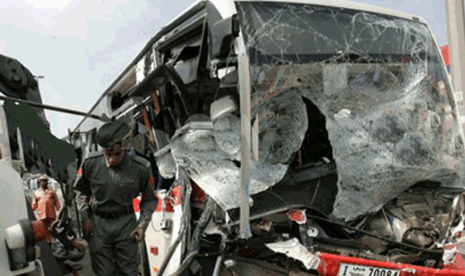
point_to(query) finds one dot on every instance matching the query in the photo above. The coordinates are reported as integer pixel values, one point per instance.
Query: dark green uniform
(105, 194)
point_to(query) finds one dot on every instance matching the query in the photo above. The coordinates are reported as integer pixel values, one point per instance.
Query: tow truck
(26, 148)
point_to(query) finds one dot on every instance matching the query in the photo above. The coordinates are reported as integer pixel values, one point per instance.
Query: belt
(113, 214)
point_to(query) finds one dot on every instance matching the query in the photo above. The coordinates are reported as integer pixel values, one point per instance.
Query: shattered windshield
(378, 81)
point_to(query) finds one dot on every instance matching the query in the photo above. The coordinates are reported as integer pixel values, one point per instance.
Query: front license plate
(359, 270)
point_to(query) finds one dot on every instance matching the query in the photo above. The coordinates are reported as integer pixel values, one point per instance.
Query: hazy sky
(81, 46)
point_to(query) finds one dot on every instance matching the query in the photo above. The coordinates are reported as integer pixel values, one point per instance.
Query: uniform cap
(112, 133)
(43, 177)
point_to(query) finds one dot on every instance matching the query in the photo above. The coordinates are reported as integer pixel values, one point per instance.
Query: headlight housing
(20, 244)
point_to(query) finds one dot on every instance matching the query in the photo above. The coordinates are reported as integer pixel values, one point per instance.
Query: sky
(79, 47)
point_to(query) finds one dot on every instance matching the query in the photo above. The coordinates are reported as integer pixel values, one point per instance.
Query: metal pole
(244, 87)
(217, 269)
(456, 36)
(56, 108)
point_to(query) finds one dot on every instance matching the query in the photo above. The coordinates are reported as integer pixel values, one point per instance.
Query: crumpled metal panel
(378, 80)
(294, 249)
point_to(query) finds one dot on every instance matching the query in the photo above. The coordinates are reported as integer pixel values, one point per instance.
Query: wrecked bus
(294, 138)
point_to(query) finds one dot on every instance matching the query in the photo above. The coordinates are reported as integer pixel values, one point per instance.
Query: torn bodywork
(356, 128)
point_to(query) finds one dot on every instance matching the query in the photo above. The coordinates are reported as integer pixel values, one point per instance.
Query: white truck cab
(17, 246)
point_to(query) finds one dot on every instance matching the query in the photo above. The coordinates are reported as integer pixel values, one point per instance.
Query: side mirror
(222, 34)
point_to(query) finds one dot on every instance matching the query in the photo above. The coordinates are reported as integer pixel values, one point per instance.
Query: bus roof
(343, 4)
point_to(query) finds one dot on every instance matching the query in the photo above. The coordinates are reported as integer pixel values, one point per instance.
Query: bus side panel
(163, 232)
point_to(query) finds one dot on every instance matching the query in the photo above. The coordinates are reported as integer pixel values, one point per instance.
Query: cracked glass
(378, 80)
(216, 171)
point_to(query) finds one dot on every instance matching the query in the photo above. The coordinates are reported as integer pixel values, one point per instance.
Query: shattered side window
(379, 82)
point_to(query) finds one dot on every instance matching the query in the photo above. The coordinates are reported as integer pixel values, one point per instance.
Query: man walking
(105, 188)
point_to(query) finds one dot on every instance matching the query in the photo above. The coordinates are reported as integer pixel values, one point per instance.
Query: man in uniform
(105, 188)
